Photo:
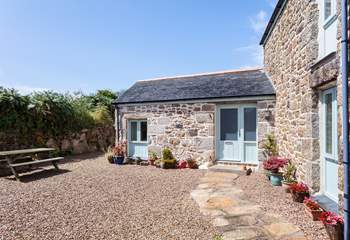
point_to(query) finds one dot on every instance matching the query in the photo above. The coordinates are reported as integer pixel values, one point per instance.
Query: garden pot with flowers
(273, 165)
(334, 225)
(152, 158)
(299, 192)
(313, 209)
(289, 176)
(119, 153)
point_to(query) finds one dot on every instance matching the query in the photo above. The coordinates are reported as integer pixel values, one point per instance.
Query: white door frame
(240, 140)
(333, 158)
(138, 143)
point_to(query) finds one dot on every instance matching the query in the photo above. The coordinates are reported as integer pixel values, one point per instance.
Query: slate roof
(272, 22)
(244, 83)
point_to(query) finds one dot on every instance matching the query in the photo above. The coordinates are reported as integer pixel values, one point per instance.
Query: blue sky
(70, 45)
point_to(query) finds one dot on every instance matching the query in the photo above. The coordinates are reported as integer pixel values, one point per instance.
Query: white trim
(323, 154)
(204, 74)
(240, 108)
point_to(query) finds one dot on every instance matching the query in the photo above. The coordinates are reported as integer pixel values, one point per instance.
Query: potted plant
(299, 192)
(313, 209)
(152, 158)
(109, 155)
(168, 160)
(273, 165)
(119, 153)
(334, 225)
(191, 163)
(289, 176)
(270, 146)
(182, 164)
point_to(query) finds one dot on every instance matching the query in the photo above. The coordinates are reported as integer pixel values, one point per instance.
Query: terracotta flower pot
(300, 196)
(286, 185)
(151, 161)
(314, 214)
(335, 232)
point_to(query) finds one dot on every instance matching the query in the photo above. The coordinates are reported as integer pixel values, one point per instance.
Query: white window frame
(332, 17)
(138, 134)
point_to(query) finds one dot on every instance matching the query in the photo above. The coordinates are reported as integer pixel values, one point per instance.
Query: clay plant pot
(286, 185)
(151, 162)
(300, 196)
(335, 232)
(314, 214)
(276, 179)
(119, 160)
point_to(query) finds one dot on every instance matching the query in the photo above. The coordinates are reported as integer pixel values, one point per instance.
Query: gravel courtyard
(92, 199)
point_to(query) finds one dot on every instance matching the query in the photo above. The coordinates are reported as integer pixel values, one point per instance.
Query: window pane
(250, 124)
(133, 131)
(229, 124)
(327, 8)
(143, 131)
(329, 123)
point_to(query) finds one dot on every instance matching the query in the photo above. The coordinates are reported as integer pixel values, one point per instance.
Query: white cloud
(24, 89)
(272, 3)
(255, 53)
(259, 21)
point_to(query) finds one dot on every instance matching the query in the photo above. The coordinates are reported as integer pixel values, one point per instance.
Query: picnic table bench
(27, 157)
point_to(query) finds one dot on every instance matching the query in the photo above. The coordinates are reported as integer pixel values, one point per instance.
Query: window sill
(329, 21)
(326, 203)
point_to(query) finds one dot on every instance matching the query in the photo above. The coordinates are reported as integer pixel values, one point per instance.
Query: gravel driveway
(91, 199)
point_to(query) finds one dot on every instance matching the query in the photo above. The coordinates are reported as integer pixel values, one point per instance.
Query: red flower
(311, 204)
(273, 164)
(329, 218)
(299, 188)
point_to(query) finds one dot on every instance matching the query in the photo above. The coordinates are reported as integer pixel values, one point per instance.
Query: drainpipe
(117, 120)
(345, 113)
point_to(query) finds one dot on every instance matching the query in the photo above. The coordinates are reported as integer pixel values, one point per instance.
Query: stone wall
(290, 51)
(188, 129)
(266, 124)
(88, 140)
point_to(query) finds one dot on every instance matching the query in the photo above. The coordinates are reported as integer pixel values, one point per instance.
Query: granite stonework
(290, 52)
(299, 76)
(188, 129)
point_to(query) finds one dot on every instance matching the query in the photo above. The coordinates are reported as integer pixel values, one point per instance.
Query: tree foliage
(51, 114)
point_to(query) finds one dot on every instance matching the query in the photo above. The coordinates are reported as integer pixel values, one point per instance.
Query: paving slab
(235, 215)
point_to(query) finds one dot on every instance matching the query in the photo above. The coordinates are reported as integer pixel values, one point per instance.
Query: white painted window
(327, 27)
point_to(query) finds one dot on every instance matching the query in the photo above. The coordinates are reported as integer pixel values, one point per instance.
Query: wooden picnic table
(31, 157)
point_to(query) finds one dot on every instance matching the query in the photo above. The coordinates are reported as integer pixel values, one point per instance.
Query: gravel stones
(91, 199)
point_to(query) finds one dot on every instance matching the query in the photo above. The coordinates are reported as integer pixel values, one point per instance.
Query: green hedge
(49, 114)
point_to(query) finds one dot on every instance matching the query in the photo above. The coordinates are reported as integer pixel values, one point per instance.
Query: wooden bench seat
(36, 162)
(54, 162)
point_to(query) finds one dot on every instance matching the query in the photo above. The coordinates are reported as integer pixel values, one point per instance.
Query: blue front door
(137, 139)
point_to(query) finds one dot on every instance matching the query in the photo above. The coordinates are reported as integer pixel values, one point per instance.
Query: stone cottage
(220, 116)
(302, 57)
(224, 117)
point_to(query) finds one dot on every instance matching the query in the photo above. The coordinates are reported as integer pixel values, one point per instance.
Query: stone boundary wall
(290, 52)
(88, 140)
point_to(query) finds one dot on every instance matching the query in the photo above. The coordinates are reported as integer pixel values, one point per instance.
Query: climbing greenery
(49, 114)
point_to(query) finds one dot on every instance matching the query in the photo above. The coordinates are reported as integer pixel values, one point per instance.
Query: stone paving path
(234, 215)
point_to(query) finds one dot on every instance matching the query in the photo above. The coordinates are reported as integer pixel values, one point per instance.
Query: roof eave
(273, 20)
(255, 97)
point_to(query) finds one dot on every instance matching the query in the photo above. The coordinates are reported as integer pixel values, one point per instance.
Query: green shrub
(167, 154)
(35, 118)
(101, 116)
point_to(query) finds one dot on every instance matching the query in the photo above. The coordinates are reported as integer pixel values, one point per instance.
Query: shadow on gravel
(37, 175)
